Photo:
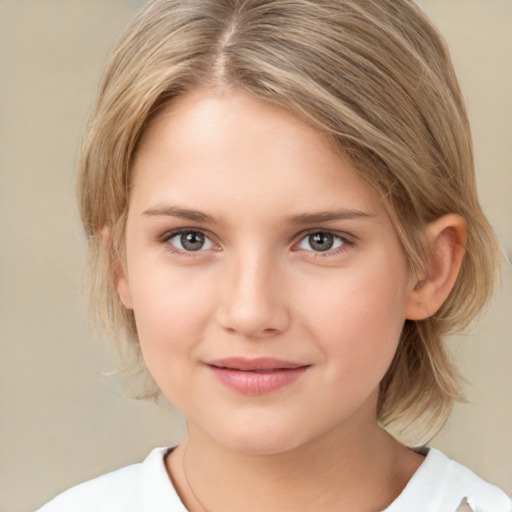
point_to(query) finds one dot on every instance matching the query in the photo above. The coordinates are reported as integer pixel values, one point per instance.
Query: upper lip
(251, 364)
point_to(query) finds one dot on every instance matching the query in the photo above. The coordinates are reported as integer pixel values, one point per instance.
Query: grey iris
(321, 241)
(192, 241)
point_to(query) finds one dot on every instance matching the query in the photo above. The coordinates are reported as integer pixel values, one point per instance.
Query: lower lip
(257, 383)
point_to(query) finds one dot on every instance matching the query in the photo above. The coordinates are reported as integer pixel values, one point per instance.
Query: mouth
(256, 376)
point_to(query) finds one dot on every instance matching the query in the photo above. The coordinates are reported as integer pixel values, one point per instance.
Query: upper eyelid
(170, 234)
(302, 234)
(165, 238)
(167, 235)
(349, 241)
(347, 237)
(341, 234)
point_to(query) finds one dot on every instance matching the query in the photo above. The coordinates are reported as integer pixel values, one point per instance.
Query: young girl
(283, 224)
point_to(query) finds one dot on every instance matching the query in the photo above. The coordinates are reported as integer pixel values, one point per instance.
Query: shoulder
(479, 494)
(139, 487)
(443, 485)
(111, 490)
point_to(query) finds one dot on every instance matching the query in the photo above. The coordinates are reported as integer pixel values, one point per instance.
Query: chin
(262, 446)
(261, 440)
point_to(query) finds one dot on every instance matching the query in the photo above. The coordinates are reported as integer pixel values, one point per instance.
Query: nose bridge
(253, 304)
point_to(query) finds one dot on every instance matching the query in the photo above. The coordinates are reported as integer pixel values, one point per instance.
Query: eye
(321, 241)
(190, 241)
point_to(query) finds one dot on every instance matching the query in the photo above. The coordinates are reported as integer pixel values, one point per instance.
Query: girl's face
(268, 284)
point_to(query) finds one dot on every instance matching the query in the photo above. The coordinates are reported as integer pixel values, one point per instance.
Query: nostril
(251, 307)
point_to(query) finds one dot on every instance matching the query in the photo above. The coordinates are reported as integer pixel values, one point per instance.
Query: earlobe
(445, 239)
(123, 290)
(120, 277)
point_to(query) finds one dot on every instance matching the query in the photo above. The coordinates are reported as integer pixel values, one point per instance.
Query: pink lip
(256, 376)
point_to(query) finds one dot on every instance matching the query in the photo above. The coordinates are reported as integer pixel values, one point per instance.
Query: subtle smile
(256, 376)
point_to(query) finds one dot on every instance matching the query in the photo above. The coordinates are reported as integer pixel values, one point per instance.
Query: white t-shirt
(439, 485)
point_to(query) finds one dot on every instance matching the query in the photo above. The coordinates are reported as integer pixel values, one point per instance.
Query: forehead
(246, 153)
(220, 117)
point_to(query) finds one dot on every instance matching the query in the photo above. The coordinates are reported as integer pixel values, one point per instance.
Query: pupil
(321, 241)
(192, 241)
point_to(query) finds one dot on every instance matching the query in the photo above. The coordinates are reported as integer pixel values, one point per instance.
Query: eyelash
(347, 242)
(167, 237)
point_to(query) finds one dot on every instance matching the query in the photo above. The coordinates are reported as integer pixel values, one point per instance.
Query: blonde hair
(376, 78)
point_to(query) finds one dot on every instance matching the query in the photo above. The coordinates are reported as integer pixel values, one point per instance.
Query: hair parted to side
(376, 78)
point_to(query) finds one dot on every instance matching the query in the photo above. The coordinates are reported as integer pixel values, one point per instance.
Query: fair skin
(249, 238)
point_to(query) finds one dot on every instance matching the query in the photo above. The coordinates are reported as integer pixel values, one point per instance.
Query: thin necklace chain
(188, 482)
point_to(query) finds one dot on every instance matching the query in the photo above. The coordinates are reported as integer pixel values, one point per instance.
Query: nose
(254, 303)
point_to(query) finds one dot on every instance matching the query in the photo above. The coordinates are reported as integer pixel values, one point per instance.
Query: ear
(123, 288)
(445, 239)
(119, 269)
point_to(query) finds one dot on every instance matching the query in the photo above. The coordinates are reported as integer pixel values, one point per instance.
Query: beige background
(61, 421)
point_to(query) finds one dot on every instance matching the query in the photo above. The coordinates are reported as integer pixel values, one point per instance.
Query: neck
(364, 472)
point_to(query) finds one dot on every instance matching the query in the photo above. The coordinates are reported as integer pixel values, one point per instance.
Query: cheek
(358, 317)
(171, 311)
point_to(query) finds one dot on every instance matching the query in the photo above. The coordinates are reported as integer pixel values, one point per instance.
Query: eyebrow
(181, 213)
(304, 218)
(327, 216)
